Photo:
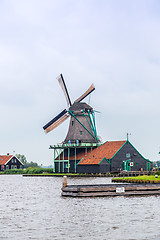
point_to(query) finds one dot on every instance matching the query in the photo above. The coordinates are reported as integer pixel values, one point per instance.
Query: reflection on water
(32, 208)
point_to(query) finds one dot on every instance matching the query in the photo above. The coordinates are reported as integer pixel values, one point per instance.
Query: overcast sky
(113, 44)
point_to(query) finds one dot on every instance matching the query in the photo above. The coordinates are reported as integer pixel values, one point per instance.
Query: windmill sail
(64, 88)
(91, 89)
(61, 117)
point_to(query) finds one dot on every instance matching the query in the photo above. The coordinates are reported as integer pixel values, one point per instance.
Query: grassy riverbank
(30, 170)
(138, 179)
(36, 171)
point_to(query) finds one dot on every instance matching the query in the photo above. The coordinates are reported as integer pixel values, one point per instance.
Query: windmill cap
(80, 106)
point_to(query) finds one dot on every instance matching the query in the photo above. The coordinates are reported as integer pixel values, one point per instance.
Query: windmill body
(80, 127)
(81, 136)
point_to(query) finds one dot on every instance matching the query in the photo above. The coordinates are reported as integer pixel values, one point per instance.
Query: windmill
(82, 127)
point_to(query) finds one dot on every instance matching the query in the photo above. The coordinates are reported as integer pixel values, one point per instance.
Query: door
(126, 165)
(148, 166)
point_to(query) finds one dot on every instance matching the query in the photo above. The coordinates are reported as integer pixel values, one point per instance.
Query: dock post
(64, 181)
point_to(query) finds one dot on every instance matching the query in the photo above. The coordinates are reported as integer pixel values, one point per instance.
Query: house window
(15, 166)
(15, 160)
(128, 155)
(81, 133)
(72, 123)
(7, 167)
(12, 160)
(12, 166)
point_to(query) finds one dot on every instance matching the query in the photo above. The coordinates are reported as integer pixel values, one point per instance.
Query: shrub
(37, 170)
(14, 171)
(157, 173)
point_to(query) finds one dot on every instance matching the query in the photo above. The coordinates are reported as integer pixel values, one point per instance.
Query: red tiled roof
(4, 159)
(107, 150)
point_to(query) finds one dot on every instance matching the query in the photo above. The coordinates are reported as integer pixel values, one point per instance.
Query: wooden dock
(103, 190)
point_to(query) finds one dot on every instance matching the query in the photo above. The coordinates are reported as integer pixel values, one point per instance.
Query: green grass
(39, 172)
(138, 179)
(30, 170)
(44, 172)
(54, 174)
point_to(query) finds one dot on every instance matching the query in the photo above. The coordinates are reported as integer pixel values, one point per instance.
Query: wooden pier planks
(110, 190)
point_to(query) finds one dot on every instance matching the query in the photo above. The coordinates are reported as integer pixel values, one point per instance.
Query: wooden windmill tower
(82, 134)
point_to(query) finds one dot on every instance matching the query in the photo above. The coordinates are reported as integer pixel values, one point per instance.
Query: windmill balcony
(71, 145)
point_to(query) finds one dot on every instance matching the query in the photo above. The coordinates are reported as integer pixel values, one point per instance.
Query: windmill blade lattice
(64, 88)
(84, 95)
(56, 121)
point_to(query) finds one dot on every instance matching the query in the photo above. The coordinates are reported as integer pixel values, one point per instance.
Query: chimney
(7, 154)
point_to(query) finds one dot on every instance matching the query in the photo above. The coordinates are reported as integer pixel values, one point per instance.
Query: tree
(23, 159)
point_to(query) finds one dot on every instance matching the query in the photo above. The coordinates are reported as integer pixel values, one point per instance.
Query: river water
(32, 208)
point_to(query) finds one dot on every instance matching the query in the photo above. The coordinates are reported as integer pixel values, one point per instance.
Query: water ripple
(32, 208)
